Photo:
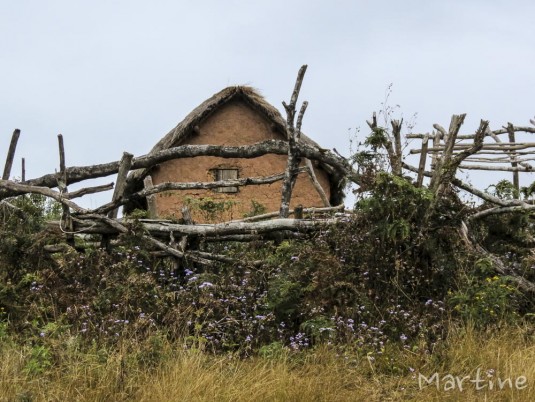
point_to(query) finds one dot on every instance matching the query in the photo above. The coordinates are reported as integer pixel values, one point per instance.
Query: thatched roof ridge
(246, 94)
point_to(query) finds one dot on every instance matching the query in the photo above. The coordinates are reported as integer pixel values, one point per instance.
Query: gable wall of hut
(233, 124)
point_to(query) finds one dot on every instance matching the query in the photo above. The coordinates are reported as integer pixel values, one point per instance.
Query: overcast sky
(115, 76)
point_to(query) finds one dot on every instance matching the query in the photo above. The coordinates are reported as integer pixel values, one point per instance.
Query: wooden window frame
(226, 173)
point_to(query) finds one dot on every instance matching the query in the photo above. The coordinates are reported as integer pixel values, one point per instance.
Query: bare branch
(293, 134)
(298, 82)
(442, 133)
(471, 136)
(26, 189)
(89, 190)
(502, 210)
(300, 120)
(316, 183)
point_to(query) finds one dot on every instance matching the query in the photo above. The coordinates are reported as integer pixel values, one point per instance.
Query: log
(503, 147)
(252, 237)
(150, 189)
(496, 168)
(11, 154)
(97, 224)
(484, 152)
(76, 174)
(316, 183)
(113, 226)
(309, 211)
(502, 160)
(472, 136)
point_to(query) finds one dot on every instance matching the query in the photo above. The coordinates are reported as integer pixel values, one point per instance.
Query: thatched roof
(178, 135)
(245, 94)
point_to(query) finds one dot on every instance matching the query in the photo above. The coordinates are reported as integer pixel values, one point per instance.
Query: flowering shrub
(366, 284)
(484, 297)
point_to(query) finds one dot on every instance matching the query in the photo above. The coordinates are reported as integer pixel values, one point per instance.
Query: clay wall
(233, 124)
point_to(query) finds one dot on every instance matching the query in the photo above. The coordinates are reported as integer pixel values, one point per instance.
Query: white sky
(115, 76)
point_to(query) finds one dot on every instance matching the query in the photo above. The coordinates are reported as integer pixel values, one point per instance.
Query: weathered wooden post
(294, 134)
(62, 186)
(11, 154)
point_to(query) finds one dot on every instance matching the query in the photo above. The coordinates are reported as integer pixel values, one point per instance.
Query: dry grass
(315, 376)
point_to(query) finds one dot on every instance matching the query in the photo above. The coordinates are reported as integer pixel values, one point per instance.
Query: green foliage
(528, 191)
(4, 325)
(377, 139)
(256, 209)
(274, 350)
(40, 359)
(283, 298)
(318, 329)
(396, 206)
(484, 298)
(504, 189)
(152, 352)
(210, 209)
(139, 214)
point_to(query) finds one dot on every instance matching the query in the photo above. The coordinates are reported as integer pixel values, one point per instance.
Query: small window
(226, 174)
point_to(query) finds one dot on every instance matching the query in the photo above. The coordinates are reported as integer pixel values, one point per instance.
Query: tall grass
(161, 371)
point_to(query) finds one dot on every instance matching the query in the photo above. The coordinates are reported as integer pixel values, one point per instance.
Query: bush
(371, 282)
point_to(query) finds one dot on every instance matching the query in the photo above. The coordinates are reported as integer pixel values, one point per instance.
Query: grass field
(160, 371)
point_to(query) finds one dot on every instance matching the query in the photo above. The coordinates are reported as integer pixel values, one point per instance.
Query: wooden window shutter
(226, 174)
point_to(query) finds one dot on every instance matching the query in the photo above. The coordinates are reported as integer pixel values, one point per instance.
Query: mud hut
(235, 116)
